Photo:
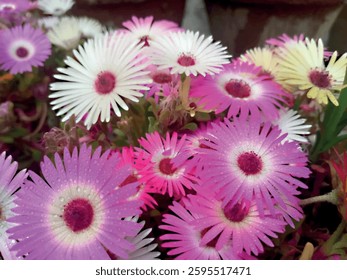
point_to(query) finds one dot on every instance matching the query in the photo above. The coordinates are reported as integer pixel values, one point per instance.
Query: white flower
(189, 53)
(105, 71)
(66, 34)
(8, 185)
(290, 122)
(55, 7)
(89, 27)
(143, 247)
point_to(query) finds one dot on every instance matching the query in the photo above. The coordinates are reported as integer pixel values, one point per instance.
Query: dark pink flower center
(162, 78)
(186, 60)
(105, 82)
(78, 214)
(250, 163)
(166, 167)
(238, 89)
(237, 212)
(7, 7)
(22, 52)
(320, 78)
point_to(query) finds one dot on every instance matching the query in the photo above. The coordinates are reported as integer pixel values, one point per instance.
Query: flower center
(22, 52)
(320, 78)
(166, 167)
(162, 78)
(186, 60)
(78, 214)
(238, 89)
(237, 212)
(105, 82)
(7, 7)
(250, 163)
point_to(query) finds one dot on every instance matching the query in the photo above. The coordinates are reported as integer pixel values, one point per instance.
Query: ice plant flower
(246, 161)
(75, 209)
(291, 124)
(161, 174)
(146, 30)
(12, 9)
(48, 22)
(56, 7)
(66, 34)
(302, 65)
(188, 52)
(105, 71)
(285, 40)
(239, 88)
(9, 184)
(239, 223)
(22, 48)
(184, 239)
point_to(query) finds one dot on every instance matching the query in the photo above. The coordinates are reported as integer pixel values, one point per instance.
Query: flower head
(89, 27)
(23, 47)
(189, 53)
(302, 66)
(161, 174)
(105, 71)
(246, 160)
(146, 30)
(56, 7)
(239, 88)
(9, 184)
(74, 211)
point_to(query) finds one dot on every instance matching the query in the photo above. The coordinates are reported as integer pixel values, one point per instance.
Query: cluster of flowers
(156, 111)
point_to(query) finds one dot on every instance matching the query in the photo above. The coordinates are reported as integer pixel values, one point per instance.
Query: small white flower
(66, 34)
(290, 122)
(48, 22)
(105, 71)
(55, 7)
(188, 52)
(89, 27)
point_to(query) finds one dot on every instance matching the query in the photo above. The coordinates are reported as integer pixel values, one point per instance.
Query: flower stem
(329, 197)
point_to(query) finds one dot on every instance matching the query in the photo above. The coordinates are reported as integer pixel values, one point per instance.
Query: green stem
(326, 248)
(329, 197)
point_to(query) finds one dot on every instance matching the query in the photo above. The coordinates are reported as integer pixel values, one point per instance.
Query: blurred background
(239, 24)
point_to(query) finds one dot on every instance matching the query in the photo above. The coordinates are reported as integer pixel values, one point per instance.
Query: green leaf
(190, 126)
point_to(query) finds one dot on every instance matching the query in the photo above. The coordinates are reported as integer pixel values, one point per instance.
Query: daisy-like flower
(161, 174)
(239, 88)
(56, 7)
(23, 47)
(184, 239)
(105, 71)
(302, 65)
(239, 223)
(263, 57)
(75, 211)
(89, 27)
(246, 160)
(189, 53)
(285, 39)
(66, 34)
(146, 30)
(9, 184)
(10, 7)
(291, 124)
(48, 22)
(136, 162)
(144, 248)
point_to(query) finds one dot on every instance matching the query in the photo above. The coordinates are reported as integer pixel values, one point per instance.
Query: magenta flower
(184, 239)
(75, 211)
(146, 30)
(238, 222)
(9, 184)
(11, 10)
(246, 160)
(161, 174)
(239, 88)
(23, 47)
